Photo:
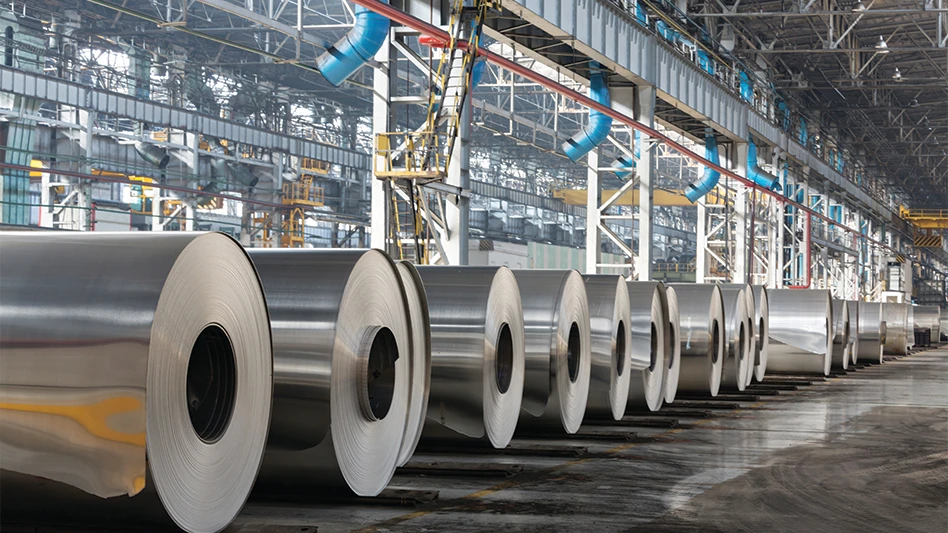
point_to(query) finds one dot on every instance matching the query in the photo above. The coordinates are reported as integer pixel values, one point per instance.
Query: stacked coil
(477, 351)
(853, 307)
(154, 343)
(761, 332)
(701, 339)
(673, 370)
(342, 344)
(897, 326)
(649, 325)
(739, 313)
(928, 317)
(871, 332)
(801, 331)
(841, 347)
(557, 348)
(610, 346)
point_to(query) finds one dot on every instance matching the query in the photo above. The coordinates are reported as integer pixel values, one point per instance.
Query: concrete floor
(863, 452)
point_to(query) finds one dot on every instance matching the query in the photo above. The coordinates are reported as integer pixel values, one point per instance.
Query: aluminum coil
(943, 324)
(910, 333)
(739, 318)
(341, 359)
(673, 369)
(853, 307)
(702, 342)
(556, 348)
(871, 332)
(420, 359)
(649, 325)
(841, 334)
(752, 316)
(928, 317)
(801, 331)
(477, 351)
(761, 332)
(116, 345)
(610, 349)
(896, 318)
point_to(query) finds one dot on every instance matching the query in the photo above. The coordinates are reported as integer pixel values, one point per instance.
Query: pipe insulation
(673, 369)
(597, 129)
(342, 358)
(477, 351)
(801, 331)
(896, 318)
(556, 348)
(739, 335)
(147, 345)
(420, 361)
(610, 347)
(853, 307)
(761, 332)
(702, 337)
(649, 326)
(872, 333)
(709, 180)
(355, 48)
(841, 334)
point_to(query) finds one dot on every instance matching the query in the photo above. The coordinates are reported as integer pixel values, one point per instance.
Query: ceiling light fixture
(881, 47)
(897, 76)
(859, 7)
(914, 102)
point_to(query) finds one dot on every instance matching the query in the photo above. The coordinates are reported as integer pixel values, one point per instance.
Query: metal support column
(458, 212)
(645, 113)
(593, 234)
(381, 120)
(741, 243)
(701, 245)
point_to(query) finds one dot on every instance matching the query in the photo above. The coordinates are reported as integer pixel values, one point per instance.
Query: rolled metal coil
(702, 337)
(420, 359)
(649, 325)
(896, 318)
(117, 345)
(342, 367)
(739, 317)
(761, 332)
(673, 370)
(841, 334)
(910, 329)
(801, 331)
(610, 347)
(556, 353)
(929, 317)
(871, 331)
(477, 351)
(853, 307)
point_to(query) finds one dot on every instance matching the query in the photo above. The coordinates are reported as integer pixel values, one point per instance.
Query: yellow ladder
(407, 230)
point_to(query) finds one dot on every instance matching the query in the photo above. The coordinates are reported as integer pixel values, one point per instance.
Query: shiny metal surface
(673, 369)
(928, 317)
(853, 307)
(841, 334)
(896, 318)
(342, 353)
(649, 316)
(420, 359)
(477, 350)
(701, 320)
(739, 317)
(871, 333)
(103, 337)
(610, 349)
(910, 326)
(761, 332)
(801, 331)
(556, 348)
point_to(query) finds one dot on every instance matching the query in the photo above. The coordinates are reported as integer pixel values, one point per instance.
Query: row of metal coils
(182, 369)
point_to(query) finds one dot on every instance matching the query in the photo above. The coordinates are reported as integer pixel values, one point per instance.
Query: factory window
(8, 48)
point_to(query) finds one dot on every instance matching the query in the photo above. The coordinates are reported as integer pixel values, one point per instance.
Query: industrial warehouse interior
(298, 266)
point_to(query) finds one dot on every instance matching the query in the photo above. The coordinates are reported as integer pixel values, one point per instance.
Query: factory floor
(866, 451)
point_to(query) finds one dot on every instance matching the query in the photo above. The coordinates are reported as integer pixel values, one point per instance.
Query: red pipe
(424, 28)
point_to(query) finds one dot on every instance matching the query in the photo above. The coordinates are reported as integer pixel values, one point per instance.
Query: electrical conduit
(355, 48)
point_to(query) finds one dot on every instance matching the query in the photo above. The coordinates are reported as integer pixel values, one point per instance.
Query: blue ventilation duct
(477, 72)
(640, 14)
(599, 124)
(624, 165)
(747, 87)
(355, 48)
(706, 184)
(804, 134)
(757, 174)
(784, 110)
